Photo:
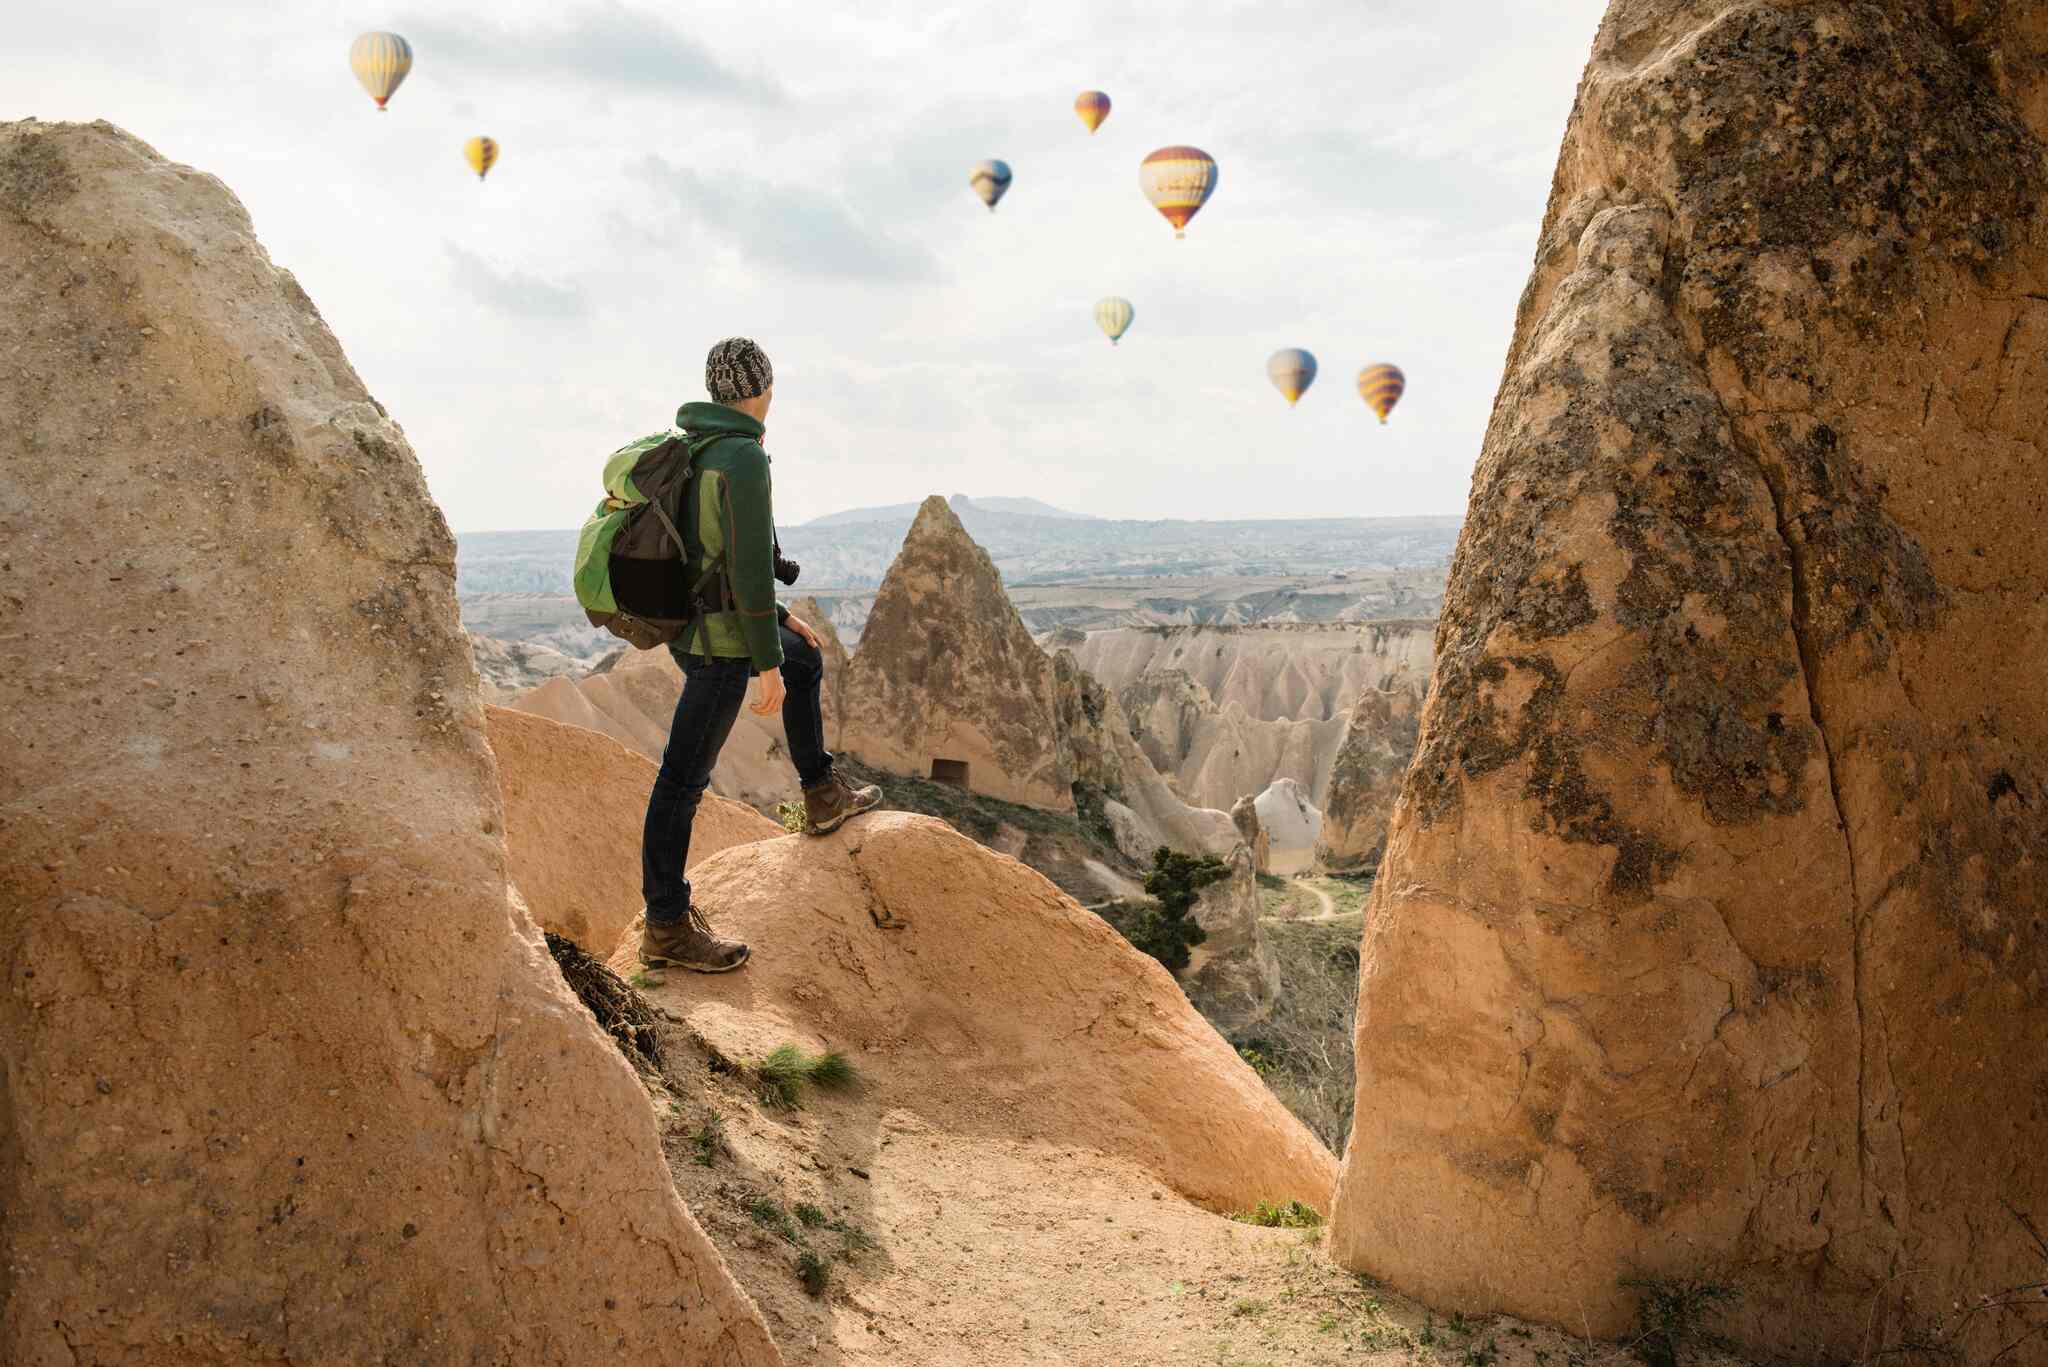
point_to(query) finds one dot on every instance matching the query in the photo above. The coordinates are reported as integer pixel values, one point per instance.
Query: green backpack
(631, 558)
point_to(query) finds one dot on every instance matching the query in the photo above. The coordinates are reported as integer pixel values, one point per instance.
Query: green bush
(1671, 1315)
(1166, 931)
(787, 1068)
(1292, 1215)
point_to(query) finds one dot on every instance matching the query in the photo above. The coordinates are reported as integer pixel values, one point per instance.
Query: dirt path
(1329, 904)
(1006, 1253)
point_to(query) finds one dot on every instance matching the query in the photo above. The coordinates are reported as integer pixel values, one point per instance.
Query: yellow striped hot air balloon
(1292, 371)
(1178, 181)
(991, 180)
(381, 62)
(1113, 316)
(1381, 386)
(482, 154)
(1093, 107)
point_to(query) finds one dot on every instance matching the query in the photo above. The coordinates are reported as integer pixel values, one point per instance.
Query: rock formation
(1232, 976)
(289, 1073)
(574, 804)
(948, 682)
(1730, 810)
(1291, 825)
(971, 992)
(1110, 776)
(1223, 711)
(505, 669)
(1244, 814)
(1379, 741)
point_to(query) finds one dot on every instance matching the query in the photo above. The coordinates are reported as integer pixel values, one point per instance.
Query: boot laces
(698, 923)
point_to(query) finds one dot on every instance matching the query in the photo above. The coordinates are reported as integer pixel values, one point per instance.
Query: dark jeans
(713, 692)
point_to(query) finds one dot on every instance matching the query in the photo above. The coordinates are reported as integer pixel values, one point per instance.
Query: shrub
(1671, 1315)
(814, 1272)
(1165, 930)
(791, 815)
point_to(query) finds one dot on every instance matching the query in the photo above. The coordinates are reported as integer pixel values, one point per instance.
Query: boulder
(575, 802)
(947, 682)
(1291, 824)
(1379, 741)
(289, 1074)
(1730, 806)
(1232, 976)
(972, 993)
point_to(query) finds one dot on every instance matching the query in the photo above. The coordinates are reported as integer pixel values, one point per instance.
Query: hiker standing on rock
(739, 633)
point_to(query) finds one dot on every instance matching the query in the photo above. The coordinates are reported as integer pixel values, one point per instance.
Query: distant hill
(903, 513)
(1027, 548)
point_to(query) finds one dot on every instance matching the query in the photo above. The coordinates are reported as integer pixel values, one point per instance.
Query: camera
(786, 570)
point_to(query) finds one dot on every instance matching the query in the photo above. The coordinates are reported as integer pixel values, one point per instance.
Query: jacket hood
(704, 418)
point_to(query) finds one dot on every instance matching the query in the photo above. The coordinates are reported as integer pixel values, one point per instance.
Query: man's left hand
(803, 629)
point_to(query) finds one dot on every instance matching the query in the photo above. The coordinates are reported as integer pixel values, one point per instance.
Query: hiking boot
(689, 943)
(827, 805)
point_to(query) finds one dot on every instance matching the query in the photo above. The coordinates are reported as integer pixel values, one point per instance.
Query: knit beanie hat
(737, 369)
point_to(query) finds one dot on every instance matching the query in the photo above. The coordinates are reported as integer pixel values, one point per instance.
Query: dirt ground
(948, 1249)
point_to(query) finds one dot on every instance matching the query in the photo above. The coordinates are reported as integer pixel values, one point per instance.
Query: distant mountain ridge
(904, 513)
(1027, 548)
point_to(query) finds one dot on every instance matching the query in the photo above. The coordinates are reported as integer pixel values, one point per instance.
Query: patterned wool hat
(737, 369)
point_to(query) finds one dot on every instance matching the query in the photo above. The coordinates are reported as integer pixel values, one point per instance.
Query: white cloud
(798, 173)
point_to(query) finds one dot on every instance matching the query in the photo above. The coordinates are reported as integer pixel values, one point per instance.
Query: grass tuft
(1292, 1215)
(788, 1069)
(1672, 1315)
(808, 1215)
(814, 1272)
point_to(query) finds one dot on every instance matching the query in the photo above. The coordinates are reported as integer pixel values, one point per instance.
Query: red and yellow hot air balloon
(1178, 181)
(1381, 386)
(482, 154)
(381, 62)
(1093, 107)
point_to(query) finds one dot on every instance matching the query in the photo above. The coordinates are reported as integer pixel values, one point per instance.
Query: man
(741, 633)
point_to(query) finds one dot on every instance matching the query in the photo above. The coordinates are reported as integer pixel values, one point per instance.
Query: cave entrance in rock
(953, 771)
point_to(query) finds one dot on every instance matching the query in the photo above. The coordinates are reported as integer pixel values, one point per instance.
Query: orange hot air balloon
(1381, 387)
(1093, 107)
(1178, 181)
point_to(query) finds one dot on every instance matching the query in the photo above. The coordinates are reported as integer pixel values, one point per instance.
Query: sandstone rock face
(1103, 764)
(505, 669)
(1379, 742)
(575, 802)
(946, 671)
(1232, 976)
(634, 702)
(971, 992)
(1244, 814)
(1223, 711)
(1730, 810)
(289, 1074)
(1291, 824)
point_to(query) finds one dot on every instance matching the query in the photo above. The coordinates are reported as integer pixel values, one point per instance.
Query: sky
(798, 172)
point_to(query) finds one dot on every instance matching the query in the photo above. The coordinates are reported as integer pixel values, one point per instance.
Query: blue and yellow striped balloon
(1113, 316)
(1381, 387)
(381, 62)
(990, 180)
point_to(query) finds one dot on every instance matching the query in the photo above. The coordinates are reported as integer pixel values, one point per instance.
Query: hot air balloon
(1093, 107)
(990, 179)
(380, 61)
(482, 154)
(1292, 371)
(1113, 316)
(1380, 386)
(1178, 181)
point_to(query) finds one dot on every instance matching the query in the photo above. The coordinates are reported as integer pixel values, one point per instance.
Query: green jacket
(734, 513)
